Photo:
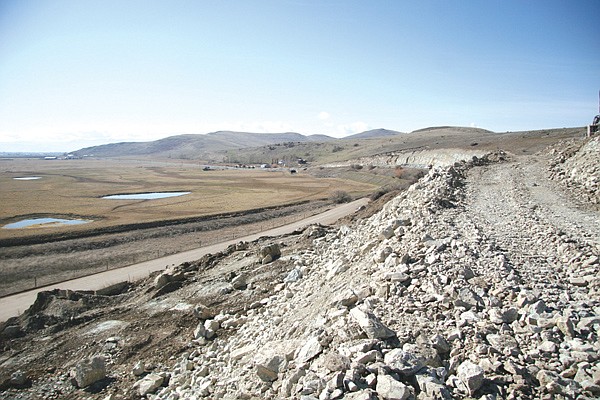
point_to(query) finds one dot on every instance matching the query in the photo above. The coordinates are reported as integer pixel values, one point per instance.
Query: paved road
(14, 305)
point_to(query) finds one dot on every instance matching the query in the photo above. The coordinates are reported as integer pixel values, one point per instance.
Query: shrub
(398, 172)
(340, 196)
(378, 193)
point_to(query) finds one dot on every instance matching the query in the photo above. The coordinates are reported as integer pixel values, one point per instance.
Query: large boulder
(269, 253)
(89, 371)
(389, 388)
(371, 325)
(471, 375)
(149, 384)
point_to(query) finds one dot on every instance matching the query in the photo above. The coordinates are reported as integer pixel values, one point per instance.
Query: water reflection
(145, 196)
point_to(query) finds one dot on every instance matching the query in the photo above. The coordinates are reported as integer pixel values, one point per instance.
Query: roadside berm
(480, 281)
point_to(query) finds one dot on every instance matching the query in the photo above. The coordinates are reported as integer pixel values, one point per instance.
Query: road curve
(15, 304)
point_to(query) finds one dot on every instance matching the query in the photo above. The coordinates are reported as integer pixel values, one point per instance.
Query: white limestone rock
(149, 384)
(389, 388)
(89, 371)
(471, 375)
(371, 325)
(403, 362)
(309, 350)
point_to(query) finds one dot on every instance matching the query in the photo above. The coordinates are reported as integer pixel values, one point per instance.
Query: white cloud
(355, 127)
(323, 115)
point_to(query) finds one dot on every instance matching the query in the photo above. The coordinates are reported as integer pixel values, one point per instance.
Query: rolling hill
(373, 133)
(197, 146)
(252, 148)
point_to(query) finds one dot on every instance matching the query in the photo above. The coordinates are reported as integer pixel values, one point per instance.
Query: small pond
(27, 178)
(44, 222)
(145, 196)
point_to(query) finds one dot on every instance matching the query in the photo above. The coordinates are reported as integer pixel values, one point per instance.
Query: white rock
(138, 368)
(404, 362)
(310, 350)
(371, 325)
(89, 371)
(149, 384)
(390, 389)
(471, 375)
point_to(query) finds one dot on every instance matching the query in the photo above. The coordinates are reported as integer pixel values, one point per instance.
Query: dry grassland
(73, 188)
(127, 231)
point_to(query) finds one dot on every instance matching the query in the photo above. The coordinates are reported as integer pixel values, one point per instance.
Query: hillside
(449, 139)
(258, 148)
(196, 146)
(480, 281)
(373, 133)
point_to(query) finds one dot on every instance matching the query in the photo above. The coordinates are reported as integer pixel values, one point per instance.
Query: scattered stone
(566, 326)
(19, 379)
(269, 369)
(138, 368)
(239, 282)
(293, 276)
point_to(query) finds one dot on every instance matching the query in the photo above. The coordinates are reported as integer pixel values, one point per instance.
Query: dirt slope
(480, 281)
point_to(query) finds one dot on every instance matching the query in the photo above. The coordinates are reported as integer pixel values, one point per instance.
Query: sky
(79, 73)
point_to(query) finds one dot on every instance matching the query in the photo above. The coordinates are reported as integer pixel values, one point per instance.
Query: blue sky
(80, 73)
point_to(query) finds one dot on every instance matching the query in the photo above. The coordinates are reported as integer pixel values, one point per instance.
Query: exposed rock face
(419, 158)
(471, 284)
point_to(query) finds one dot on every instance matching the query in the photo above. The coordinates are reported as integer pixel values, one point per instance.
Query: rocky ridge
(464, 286)
(415, 158)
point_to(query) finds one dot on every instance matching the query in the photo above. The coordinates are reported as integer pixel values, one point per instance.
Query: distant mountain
(452, 129)
(373, 133)
(200, 146)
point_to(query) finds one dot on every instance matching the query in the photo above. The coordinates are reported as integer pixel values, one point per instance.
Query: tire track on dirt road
(546, 236)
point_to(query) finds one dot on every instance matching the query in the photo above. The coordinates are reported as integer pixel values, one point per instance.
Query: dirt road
(16, 304)
(547, 238)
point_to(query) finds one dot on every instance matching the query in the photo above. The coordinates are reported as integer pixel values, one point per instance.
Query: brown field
(224, 204)
(73, 188)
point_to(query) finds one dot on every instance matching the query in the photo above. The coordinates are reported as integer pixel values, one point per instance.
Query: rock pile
(416, 302)
(576, 164)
